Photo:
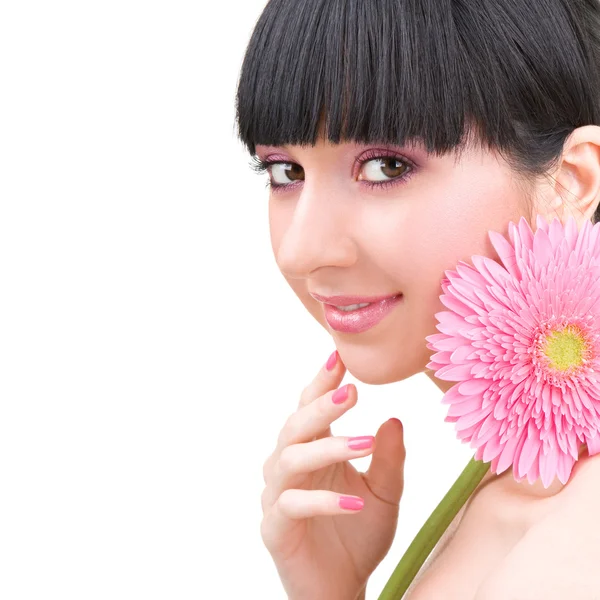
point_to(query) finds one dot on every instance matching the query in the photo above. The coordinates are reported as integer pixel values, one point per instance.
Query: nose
(319, 232)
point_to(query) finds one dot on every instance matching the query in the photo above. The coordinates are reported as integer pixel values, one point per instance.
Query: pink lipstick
(360, 319)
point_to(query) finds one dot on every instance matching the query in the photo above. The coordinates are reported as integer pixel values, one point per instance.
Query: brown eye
(383, 169)
(292, 171)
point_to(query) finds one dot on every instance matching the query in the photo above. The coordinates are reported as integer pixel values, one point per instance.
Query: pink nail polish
(351, 502)
(340, 395)
(360, 443)
(331, 361)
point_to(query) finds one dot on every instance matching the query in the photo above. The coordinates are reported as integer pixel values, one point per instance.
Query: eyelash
(262, 166)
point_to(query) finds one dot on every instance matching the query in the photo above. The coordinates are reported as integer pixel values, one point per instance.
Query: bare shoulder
(521, 541)
(488, 527)
(559, 556)
(417, 589)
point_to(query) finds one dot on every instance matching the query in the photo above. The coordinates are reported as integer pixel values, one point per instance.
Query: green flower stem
(433, 529)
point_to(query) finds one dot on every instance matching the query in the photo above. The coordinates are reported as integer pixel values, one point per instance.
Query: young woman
(395, 134)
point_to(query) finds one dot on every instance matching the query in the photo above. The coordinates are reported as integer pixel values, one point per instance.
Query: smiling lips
(360, 319)
(350, 300)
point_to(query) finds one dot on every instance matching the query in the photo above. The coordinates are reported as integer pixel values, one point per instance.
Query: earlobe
(578, 175)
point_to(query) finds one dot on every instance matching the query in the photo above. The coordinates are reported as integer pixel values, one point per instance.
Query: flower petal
(549, 466)
(593, 444)
(528, 455)
(494, 273)
(565, 467)
(459, 409)
(542, 248)
(506, 253)
(571, 232)
(456, 305)
(492, 450)
(473, 386)
(526, 233)
(454, 372)
(507, 455)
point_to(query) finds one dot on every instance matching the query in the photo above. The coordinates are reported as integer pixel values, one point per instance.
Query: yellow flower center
(565, 348)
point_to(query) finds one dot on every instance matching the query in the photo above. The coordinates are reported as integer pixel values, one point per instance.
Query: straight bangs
(390, 71)
(446, 73)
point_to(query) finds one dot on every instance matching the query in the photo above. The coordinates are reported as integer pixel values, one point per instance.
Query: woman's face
(334, 234)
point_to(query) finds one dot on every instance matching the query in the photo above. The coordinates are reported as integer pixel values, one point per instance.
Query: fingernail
(340, 394)
(351, 502)
(360, 443)
(331, 361)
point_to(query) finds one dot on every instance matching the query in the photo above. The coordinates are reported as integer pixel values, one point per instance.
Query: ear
(576, 180)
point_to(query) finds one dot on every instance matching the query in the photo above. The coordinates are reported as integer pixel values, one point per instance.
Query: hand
(321, 550)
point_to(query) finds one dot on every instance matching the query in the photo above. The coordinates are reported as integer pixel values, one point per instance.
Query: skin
(331, 234)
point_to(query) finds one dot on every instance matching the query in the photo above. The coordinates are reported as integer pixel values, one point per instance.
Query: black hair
(519, 74)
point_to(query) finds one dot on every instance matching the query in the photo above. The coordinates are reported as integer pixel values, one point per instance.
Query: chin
(376, 365)
(377, 371)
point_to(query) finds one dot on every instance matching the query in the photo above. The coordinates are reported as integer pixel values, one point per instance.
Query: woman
(395, 134)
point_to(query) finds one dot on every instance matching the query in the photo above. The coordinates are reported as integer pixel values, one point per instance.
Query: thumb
(385, 475)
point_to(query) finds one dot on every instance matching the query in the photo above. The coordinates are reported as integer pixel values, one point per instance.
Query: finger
(323, 381)
(299, 461)
(385, 475)
(330, 366)
(293, 506)
(327, 379)
(311, 422)
(314, 419)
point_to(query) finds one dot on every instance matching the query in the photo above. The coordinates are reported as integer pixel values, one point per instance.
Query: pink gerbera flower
(521, 339)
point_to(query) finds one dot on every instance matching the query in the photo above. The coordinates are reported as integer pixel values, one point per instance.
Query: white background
(150, 349)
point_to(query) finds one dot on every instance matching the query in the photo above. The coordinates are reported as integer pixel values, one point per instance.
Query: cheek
(458, 229)
(277, 225)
